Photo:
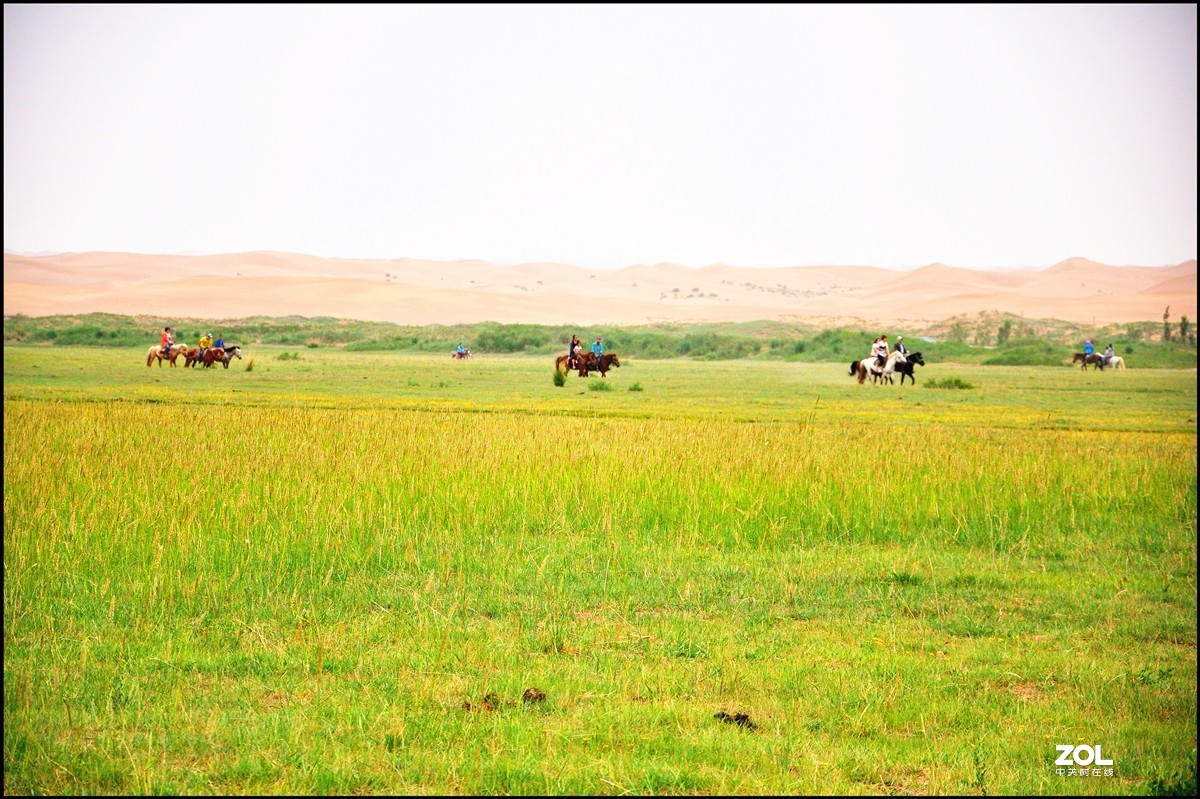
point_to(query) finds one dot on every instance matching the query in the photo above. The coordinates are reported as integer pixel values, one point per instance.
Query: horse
(1116, 362)
(867, 366)
(171, 355)
(466, 353)
(588, 363)
(562, 363)
(905, 368)
(1084, 358)
(224, 355)
(191, 357)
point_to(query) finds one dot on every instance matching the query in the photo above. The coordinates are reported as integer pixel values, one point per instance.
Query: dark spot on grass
(532, 696)
(740, 719)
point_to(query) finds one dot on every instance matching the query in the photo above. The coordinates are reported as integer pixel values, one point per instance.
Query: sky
(979, 136)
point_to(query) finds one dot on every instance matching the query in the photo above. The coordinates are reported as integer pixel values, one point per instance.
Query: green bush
(948, 382)
(600, 385)
(560, 379)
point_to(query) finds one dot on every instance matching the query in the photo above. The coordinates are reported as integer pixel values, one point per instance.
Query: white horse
(889, 368)
(868, 366)
(1115, 362)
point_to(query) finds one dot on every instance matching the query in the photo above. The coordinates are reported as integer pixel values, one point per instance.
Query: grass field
(326, 572)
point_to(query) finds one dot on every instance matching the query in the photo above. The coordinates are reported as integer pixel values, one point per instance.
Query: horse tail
(862, 374)
(853, 368)
(149, 355)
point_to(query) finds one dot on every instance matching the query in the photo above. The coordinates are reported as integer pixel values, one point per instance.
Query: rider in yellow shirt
(205, 343)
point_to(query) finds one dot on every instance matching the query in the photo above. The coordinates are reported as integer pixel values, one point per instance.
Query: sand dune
(410, 291)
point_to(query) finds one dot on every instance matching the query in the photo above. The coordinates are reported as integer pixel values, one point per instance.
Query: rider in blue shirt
(598, 349)
(1088, 349)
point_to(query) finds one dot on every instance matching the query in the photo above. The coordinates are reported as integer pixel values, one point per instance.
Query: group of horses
(587, 363)
(193, 355)
(886, 374)
(1097, 361)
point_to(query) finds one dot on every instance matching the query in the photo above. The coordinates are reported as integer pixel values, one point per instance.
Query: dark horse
(905, 368)
(1083, 359)
(588, 363)
(224, 355)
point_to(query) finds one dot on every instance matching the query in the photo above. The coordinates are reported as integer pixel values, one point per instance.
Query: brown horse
(1084, 358)
(224, 355)
(561, 363)
(171, 355)
(588, 363)
(191, 357)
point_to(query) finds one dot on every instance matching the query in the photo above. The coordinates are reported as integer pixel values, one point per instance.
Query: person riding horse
(880, 351)
(574, 350)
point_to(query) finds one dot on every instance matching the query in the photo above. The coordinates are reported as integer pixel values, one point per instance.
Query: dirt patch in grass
(1026, 692)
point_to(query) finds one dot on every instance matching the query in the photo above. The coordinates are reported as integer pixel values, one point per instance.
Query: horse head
(613, 360)
(235, 350)
(917, 358)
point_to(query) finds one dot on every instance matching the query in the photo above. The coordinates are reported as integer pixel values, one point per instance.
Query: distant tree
(1004, 332)
(1184, 327)
(1166, 324)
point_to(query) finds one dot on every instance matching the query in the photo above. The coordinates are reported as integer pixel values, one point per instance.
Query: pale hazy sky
(606, 135)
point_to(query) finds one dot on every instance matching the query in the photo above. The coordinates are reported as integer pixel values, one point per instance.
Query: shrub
(289, 356)
(949, 382)
(599, 385)
(560, 379)
(635, 387)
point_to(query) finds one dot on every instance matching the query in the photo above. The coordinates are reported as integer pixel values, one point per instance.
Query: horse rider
(573, 350)
(598, 350)
(1108, 354)
(461, 352)
(901, 350)
(1088, 349)
(220, 342)
(165, 341)
(879, 350)
(206, 341)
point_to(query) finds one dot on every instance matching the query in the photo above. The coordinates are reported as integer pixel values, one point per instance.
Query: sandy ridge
(418, 292)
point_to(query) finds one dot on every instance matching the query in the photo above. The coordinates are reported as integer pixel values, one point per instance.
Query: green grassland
(334, 571)
(990, 339)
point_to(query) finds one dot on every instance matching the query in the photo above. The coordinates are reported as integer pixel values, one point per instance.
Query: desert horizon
(425, 292)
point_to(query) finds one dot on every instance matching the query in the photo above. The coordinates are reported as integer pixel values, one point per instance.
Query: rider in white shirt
(880, 351)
